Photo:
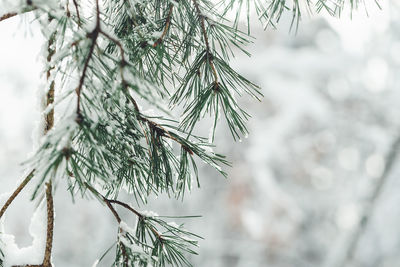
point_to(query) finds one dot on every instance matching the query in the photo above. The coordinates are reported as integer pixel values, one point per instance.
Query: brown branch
(115, 213)
(77, 12)
(50, 94)
(50, 226)
(132, 100)
(93, 36)
(166, 27)
(117, 218)
(206, 42)
(7, 16)
(125, 206)
(16, 192)
(118, 43)
(13, 14)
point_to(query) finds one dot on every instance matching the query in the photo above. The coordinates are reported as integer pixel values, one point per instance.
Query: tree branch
(50, 225)
(77, 12)
(125, 206)
(13, 14)
(206, 42)
(16, 192)
(115, 213)
(133, 101)
(117, 218)
(7, 16)
(167, 24)
(93, 36)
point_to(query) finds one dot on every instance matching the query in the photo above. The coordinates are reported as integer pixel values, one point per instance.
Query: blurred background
(316, 183)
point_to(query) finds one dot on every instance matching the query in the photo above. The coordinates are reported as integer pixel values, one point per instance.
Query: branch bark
(93, 36)
(206, 42)
(50, 226)
(7, 16)
(166, 27)
(16, 192)
(13, 14)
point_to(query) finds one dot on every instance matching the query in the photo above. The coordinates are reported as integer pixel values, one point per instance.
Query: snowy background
(316, 183)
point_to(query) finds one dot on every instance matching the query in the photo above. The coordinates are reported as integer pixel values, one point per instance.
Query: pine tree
(104, 61)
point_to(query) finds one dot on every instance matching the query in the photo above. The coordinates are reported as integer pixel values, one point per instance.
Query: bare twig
(125, 206)
(206, 42)
(93, 36)
(117, 218)
(151, 124)
(7, 16)
(118, 43)
(13, 14)
(16, 192)
(166, 27)
(77, 12)
(115, 213)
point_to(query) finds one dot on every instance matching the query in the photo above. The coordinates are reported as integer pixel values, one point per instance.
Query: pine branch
(166, 27)
(123, 63)
(206, 42)
(125, 206)
(117, 217)
(77, 11)
(93, 38)
(115, 213)
(152, 49)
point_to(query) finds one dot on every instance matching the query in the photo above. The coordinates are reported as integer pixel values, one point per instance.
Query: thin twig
(133, 101)
(125, 206)
(13, 14)
(93, 36)
(117, 218)
(115, 213)
(206, 42)
(7, 16)
(166, 27)
(16, 192)
(77, 12)
(118, 43)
